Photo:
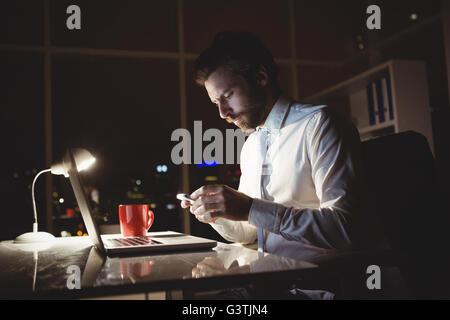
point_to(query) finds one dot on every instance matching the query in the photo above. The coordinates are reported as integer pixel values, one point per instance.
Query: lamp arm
(35, 224)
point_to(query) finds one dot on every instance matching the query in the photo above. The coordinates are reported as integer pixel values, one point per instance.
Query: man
(300, 186)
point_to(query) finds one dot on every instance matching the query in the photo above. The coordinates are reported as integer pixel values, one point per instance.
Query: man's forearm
(324, 227)
(235, 231)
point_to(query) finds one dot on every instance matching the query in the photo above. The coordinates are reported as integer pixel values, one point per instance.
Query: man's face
(237, 102)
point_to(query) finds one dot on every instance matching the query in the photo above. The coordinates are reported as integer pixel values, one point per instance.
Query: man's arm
(334, 153)
(235, 231)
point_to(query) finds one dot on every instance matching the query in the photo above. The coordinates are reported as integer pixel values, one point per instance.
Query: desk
(45, 273)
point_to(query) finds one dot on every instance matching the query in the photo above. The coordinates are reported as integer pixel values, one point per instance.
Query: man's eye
(229, 95)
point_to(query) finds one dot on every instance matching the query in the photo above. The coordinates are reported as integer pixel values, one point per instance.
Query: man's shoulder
(329, 120)
(320, 113)
(300, 112)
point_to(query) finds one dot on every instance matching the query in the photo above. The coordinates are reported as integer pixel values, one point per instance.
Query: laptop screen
(83, 203)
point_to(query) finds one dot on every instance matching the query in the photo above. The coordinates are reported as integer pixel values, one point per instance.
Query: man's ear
(261, 77)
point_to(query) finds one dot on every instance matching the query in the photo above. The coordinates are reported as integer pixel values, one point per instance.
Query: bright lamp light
(83, 160)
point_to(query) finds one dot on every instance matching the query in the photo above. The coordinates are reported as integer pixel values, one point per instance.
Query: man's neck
(272, 98)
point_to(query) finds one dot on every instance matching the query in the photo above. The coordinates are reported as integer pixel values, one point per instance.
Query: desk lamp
(83, 160)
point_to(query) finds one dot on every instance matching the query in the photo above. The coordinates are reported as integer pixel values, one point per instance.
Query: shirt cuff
(266, 215)
(217, 226)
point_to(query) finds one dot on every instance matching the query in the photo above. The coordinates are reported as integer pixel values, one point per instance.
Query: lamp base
(33, 237)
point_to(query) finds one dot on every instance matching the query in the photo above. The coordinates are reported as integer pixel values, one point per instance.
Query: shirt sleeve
(236, 231)
(333, 146)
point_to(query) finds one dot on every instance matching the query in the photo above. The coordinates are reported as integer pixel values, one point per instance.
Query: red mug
(135, 219)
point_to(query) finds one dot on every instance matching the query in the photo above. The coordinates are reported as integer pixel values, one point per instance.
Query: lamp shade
(83, 159)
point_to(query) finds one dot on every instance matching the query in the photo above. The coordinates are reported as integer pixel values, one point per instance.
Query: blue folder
(370, 103)
(389, 94)
(379, 92)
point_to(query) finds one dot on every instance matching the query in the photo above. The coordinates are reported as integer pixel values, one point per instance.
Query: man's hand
(213, 266)
(210, 266)
(219, 201)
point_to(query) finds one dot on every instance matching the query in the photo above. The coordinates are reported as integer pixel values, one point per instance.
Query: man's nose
(224, 110)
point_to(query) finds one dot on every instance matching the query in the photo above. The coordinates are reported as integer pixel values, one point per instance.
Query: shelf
(408, 92)
(375, 127)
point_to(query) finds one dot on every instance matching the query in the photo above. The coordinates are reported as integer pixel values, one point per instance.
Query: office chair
(404, 201)
(404, 228)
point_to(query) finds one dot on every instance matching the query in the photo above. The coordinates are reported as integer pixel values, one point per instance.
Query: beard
(255, 109)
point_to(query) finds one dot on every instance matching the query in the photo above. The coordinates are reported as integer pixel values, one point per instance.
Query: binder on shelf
(379, 101)
(386, 106)
(382, 111)
(375, 103)
(370, 103)
(389, 97)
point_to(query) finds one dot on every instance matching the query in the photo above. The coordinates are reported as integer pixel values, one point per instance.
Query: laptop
(117, 244)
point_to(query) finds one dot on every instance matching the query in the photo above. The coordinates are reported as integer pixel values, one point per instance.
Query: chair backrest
(402, 194)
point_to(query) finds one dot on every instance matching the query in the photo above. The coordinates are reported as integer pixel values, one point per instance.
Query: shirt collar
(277, 114)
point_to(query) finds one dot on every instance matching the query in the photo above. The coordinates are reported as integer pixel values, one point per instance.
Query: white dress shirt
(309, 195)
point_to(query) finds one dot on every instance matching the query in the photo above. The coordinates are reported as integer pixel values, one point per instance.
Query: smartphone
(185, 197)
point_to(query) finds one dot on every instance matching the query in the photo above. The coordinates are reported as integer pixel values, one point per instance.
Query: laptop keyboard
(131, 241)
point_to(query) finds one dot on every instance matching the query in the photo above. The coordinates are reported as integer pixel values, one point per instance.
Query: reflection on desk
(223, 260)
(45, 273)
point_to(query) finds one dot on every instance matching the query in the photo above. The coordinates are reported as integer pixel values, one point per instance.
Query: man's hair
(240, 52)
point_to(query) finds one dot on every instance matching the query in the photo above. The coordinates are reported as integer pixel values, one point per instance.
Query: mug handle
(151, 217)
